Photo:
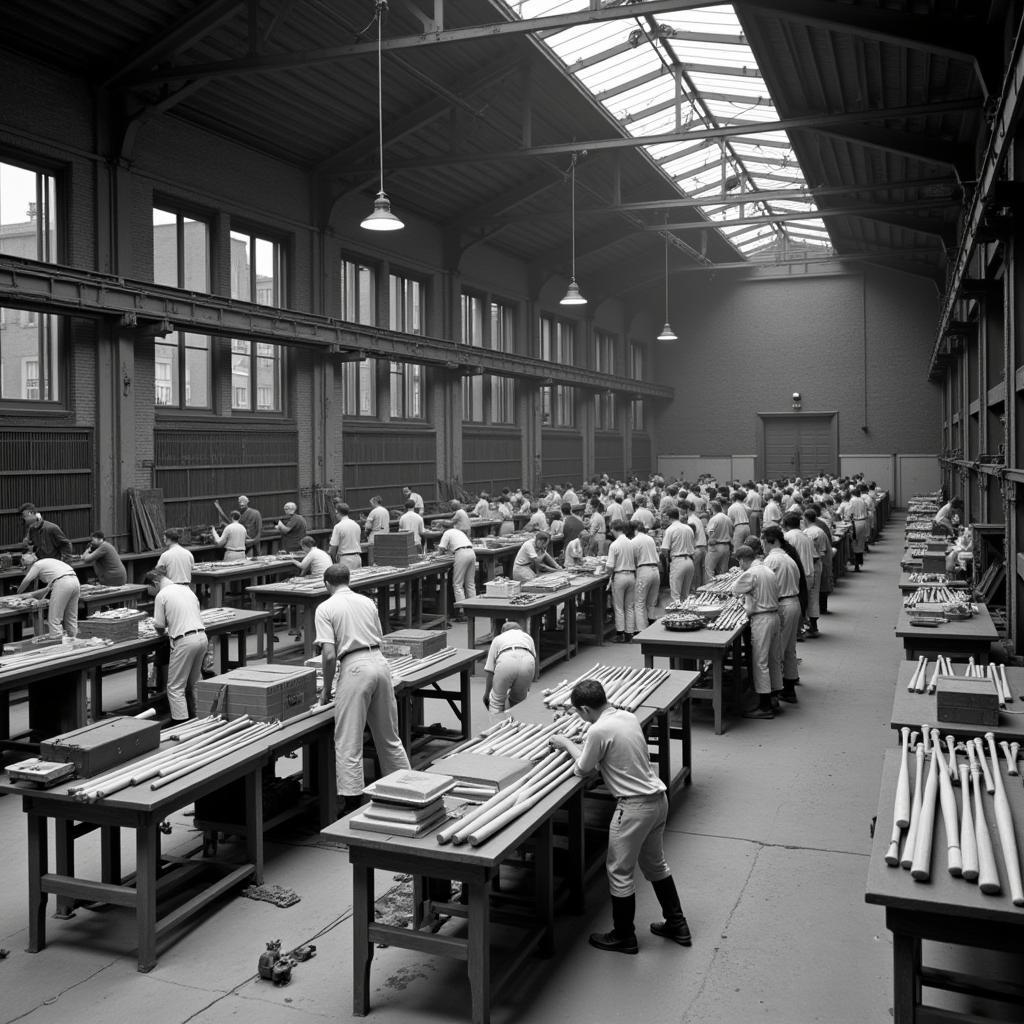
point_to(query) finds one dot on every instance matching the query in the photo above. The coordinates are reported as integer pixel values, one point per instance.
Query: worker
(857, 511)
(232, 539)
(345, 547)
(943, 523)
(509, 669)
(597, 527)
(460, 517)
(575, 551)
(740, 517)
(533, 558)
(648, 575)
(411, 521)
(457, 543)
(719, 531)
(315, 561)
(538, 521)
(754, 504)
(572, 525)
(176, 561)
(822, 548)
(483, 506)
(105, 561)
(291, 527)
(378, 519)
(616, 747)
(783, 560)
(961, 554)
(417, 501)
(251, 519)
(349, 633)
(804, 547)
(176, 613)
(688, 514)
(758, 586)
(620, 565)
(60, 585)
(677, 549)
(43, 538)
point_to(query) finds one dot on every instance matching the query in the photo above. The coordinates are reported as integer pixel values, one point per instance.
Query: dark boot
(674, 926)
(620, 638)
(622, 937)
(823, 604)
(788, 692)
(763, 709)
(813, 630)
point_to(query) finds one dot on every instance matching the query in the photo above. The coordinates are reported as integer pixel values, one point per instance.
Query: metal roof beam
(662, 72)
(916, 145)
(808, 121)
(720, 97)
(496, 30)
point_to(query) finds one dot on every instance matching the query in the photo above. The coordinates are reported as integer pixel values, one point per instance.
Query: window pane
(166, 374)
(267, 277)
(240, 360)
(240, 267)
(165, 248)
(197, 371)
(195, 255)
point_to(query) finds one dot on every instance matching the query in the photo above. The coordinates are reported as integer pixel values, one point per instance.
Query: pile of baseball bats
(920, 682)
(969, 848)
(731, 616)
(511, 738)
(407, 665)
(625, 688)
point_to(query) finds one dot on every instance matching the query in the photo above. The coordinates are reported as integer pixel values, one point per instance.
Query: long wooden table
(142, 809)
(915, 709)
(699, 645)
(477, 868)
(218, 576)
(907, 587)
(943, 909)
(959, 640)
(306, 594)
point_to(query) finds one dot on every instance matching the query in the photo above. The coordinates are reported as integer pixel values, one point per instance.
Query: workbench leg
(663, 741)
(265, 640)
(716, 693)
(254, 822)
(5, 715)
(576, 854)
(544, 874)
(648, 660)
(325, 777)
(687, 720)
(147, 858)
(464, 696)
(362, 948)
(308, 629)
(64, 856)
(479, 951)
(95, 705)
(38, 862)
(906, 973)
(110, 854)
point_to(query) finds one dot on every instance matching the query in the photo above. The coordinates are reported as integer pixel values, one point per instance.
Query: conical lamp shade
(667, 334)
(382, 219)
(573, 296)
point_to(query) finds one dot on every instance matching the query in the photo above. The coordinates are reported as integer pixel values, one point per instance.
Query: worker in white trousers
(621, 568)
(648, 575)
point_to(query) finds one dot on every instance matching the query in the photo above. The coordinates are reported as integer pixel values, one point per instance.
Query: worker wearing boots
(615, 746)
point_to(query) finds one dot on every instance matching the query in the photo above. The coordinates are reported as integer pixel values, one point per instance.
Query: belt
(235, 549)
(719, 543)
(624, 572)
(465, 547)
(767, 611)
(674, 557)
(862, 519)
(514, 647)
(349, 554)
(644, 564)
(786, 597)
(699, 546)
(359, 650)
(188, 632)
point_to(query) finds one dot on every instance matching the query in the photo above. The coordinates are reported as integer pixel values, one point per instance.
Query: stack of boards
(480, 776)
(404, 803)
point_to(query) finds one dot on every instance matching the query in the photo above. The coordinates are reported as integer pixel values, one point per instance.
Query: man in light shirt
(509, 669)
(60, 585)
(176, 561)
(677, 547)
(345, 547)
(457, 543)
(232, 539)
(412, 522)
(758, 586)
(315, 561)
(378, 519)
(417, 501)
(176, 613)
(533, 558)
(719, 531)
(620, 565)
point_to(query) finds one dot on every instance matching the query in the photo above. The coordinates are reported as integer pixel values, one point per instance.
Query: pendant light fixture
(573, 296)
(381, 219)
(667, 334)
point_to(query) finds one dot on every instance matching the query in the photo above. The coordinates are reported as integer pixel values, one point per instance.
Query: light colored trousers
(648, 585)
(513, 675)
(699, 557)
(183, 668)
(740, 533)
(861, 531)
(464, 574)
(624, 601)
(365, 696)
(62, 615)
(717, 560)
(681, 573)
(351, 561)
(233, 556)
(636, 836)
(814, 591)
(765, 630)
(789, 621)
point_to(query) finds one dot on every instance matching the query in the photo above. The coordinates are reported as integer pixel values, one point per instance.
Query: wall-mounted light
(126, 382)
(796, 400)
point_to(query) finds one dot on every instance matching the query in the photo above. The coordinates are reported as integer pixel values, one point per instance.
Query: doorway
(798, 444)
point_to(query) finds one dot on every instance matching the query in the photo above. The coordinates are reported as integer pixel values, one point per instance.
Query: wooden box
(932, 561)
(266, 693)
(398, 549)
(967, 700)
(115, 628)
(102, 745)
(504, 588)
(417, 643)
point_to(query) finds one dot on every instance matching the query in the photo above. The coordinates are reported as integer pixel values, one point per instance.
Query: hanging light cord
(572, 194)
(666, 277)
(382, 6)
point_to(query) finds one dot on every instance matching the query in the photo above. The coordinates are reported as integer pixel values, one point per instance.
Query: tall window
(29, 352)
(257, 275)
(473, 334)
(181, 259)
(502, 340)
(636, 371)
(556, 345)
(604, 362)
(406, 312)
(359, 305)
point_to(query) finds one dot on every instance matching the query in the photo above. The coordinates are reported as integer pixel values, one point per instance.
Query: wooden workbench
(959, 640)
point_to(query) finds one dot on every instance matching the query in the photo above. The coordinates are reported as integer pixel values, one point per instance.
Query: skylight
(693, 70)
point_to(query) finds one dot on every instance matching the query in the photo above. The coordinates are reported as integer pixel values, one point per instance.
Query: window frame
(407, 381)
(359, 379)
(503, 389)
(558, 344)
(605, 346)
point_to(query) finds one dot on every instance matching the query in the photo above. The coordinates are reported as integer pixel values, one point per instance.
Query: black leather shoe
(676, 932)
(759, 713)
(614, 944)
(788, 696)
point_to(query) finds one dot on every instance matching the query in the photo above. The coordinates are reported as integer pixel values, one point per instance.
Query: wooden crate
(416, 643)
(124, 627)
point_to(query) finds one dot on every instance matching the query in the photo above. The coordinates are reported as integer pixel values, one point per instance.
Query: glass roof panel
(632, 69)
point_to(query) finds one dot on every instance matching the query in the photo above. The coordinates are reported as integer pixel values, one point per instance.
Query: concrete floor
(769, 847)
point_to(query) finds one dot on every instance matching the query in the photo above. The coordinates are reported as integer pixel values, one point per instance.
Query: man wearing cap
(620, 565)
(719, 531)
(758, 586)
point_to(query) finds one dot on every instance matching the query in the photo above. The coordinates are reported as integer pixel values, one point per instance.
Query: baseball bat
(224, 516)
(915, 810)
(1004, 824)
(954, 773)
(921, 868)
(988, 875)
(954, 859)
(968, 837)
(990, 786)
(902, 807)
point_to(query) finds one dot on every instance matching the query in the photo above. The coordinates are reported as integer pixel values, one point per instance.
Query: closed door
(799, 445)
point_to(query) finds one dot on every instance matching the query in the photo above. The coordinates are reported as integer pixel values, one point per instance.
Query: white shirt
(413, 496)
(620, 556)
(460, 520)
(616, 746)
(538, 521)
(176, 609)
(378, 520)
(804, 548)
(233, 537)
(454, 540)
(346, 536)
(412, 522)
(510, 639)
(178, 562)
(482, 508)
(315, 563)
(573, 553)
(349, 621)
(678, 539)
(645, 551)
